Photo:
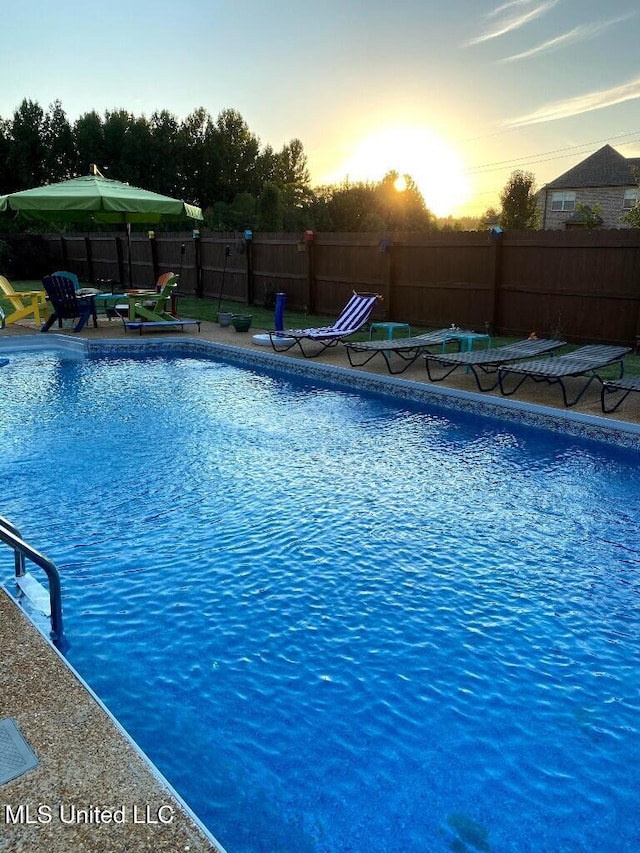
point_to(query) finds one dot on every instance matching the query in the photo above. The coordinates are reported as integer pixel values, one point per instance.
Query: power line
(562, 152)
(526, 161)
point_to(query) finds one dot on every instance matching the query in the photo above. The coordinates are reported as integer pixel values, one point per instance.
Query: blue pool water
(334, 623)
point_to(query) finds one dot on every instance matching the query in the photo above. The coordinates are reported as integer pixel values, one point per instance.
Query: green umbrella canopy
(93, 198)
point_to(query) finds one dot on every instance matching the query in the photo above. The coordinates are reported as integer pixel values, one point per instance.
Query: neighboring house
(598, 191)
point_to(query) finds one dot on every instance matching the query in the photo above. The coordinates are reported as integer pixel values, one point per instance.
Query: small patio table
(107, 302)
(465, 339)
(390, 329)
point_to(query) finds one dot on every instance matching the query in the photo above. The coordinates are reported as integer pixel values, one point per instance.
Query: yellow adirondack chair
(25, 303)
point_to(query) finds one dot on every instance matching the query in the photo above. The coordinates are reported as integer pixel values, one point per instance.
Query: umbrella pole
(129, 253)
(227, 252)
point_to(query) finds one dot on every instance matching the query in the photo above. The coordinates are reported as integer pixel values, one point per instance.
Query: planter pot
(224, 318)
(242, 322)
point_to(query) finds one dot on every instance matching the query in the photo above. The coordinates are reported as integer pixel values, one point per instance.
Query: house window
(563, 201)
(630, 199)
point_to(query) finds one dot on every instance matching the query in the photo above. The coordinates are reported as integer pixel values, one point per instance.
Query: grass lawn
(207, 309)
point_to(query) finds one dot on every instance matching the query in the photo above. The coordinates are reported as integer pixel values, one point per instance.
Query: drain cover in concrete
(16, 756)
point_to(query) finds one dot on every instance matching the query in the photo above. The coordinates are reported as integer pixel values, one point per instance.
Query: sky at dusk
(456, 93)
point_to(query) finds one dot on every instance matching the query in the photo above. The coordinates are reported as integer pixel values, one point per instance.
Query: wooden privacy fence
(578, 285)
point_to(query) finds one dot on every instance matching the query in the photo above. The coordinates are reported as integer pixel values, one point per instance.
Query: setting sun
(419, 153)
(400, 183)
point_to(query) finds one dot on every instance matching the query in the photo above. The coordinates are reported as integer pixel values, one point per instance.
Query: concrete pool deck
(88, 769)
(92, 789)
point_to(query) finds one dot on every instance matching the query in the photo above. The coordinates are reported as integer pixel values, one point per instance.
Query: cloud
(513, 22)
(581, 104)
(581, 33)
(509, 5)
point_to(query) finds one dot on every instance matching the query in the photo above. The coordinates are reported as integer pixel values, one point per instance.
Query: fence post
(198, 265)
(310, 245)
(154, 255)
(248, 248)
(495, 278)
(636, 343)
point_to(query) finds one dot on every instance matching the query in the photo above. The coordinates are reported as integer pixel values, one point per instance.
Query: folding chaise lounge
(66, 304)
(583, 362)
(25, 303)
(485, 362)
(407, 349)
(627, 385)
(354, 316)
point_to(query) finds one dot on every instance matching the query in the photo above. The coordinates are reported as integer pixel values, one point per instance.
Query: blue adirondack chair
(66, 304)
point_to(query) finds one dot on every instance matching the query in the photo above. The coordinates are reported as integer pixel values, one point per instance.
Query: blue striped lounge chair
(355, 315)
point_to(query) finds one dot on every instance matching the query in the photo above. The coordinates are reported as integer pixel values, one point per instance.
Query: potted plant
(224, 318)
(242, 322)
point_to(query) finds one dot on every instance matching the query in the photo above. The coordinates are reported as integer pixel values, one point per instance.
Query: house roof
(605, 168)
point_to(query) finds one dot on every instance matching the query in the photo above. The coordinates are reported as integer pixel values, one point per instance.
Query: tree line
(218, 164)
(221, 166)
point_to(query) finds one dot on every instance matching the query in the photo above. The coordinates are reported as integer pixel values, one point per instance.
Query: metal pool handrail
(11, 536)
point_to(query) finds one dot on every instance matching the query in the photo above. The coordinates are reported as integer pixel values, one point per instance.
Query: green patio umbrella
(94, 198)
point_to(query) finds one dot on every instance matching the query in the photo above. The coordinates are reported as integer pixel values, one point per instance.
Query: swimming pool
(335, 622)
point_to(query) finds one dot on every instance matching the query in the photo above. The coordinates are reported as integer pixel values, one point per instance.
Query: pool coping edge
(577, 424)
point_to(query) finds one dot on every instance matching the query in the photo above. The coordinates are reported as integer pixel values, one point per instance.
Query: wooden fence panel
(580, 285)
(223, 273)
(444, 279)
(72, 255)
(91, 257)
(280, 264)
(104, 264)
(141, 265)
(174, 253)
(341, 264)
